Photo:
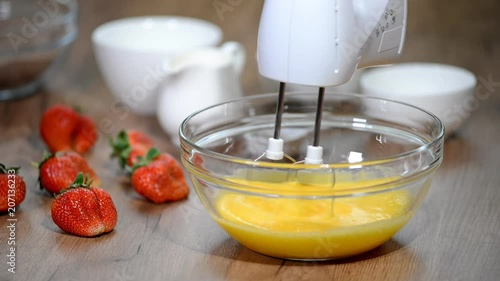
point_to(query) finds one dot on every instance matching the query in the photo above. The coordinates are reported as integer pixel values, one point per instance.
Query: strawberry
(59, 170)
(84, 210)
(12, 188)
(159, 178)
(129, 146)
(62, 128)
(137, 138)
(85, 135)
(57, 126)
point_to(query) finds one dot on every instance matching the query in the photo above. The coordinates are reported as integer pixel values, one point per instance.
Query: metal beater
(321, 43)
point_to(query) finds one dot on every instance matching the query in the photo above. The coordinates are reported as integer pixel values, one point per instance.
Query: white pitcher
(131, 53)
(198, 79)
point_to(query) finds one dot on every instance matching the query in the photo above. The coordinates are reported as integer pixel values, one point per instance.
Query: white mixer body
(322, 42)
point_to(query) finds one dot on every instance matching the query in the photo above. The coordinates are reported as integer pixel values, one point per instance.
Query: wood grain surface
(454, 236)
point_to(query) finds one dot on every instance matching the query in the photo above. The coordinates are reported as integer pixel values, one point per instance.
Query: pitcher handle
(237, 53)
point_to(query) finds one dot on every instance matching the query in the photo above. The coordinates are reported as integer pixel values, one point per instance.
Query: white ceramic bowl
(445, 90)
(131, 54)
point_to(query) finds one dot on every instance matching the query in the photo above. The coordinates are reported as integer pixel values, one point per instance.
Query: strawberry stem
(78, 109)
(81, 181)
(46, 156)
(121, 148)
(5, 170)
(151, 155)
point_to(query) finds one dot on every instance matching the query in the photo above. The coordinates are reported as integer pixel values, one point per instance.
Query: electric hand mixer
(321, 43)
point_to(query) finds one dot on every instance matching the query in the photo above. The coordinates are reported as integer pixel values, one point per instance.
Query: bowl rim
(98, 41)
(69, 16)
(392, 158)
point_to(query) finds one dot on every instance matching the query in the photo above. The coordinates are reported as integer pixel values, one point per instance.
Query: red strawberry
(62, 128)
(137, 138)
(59, 170)
(57, 126)
(129, 146)
(12, 188)
(85, 135)
(84, 210)
(159, 178)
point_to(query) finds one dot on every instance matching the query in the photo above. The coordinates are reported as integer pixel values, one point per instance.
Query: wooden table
(454, 236)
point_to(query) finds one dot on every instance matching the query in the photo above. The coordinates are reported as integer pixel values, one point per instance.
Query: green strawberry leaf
(5, 170)
(151, 155)
(121, 148)
(46, 156)
(81, 181)
(78, 109)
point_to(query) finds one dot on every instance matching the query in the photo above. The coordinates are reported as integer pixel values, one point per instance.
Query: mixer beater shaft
(279, 111)
(319, 112)
(274, 151)
(275, 145)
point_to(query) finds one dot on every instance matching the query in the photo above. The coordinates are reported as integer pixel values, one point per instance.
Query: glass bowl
(378, 162)
(34, 37)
